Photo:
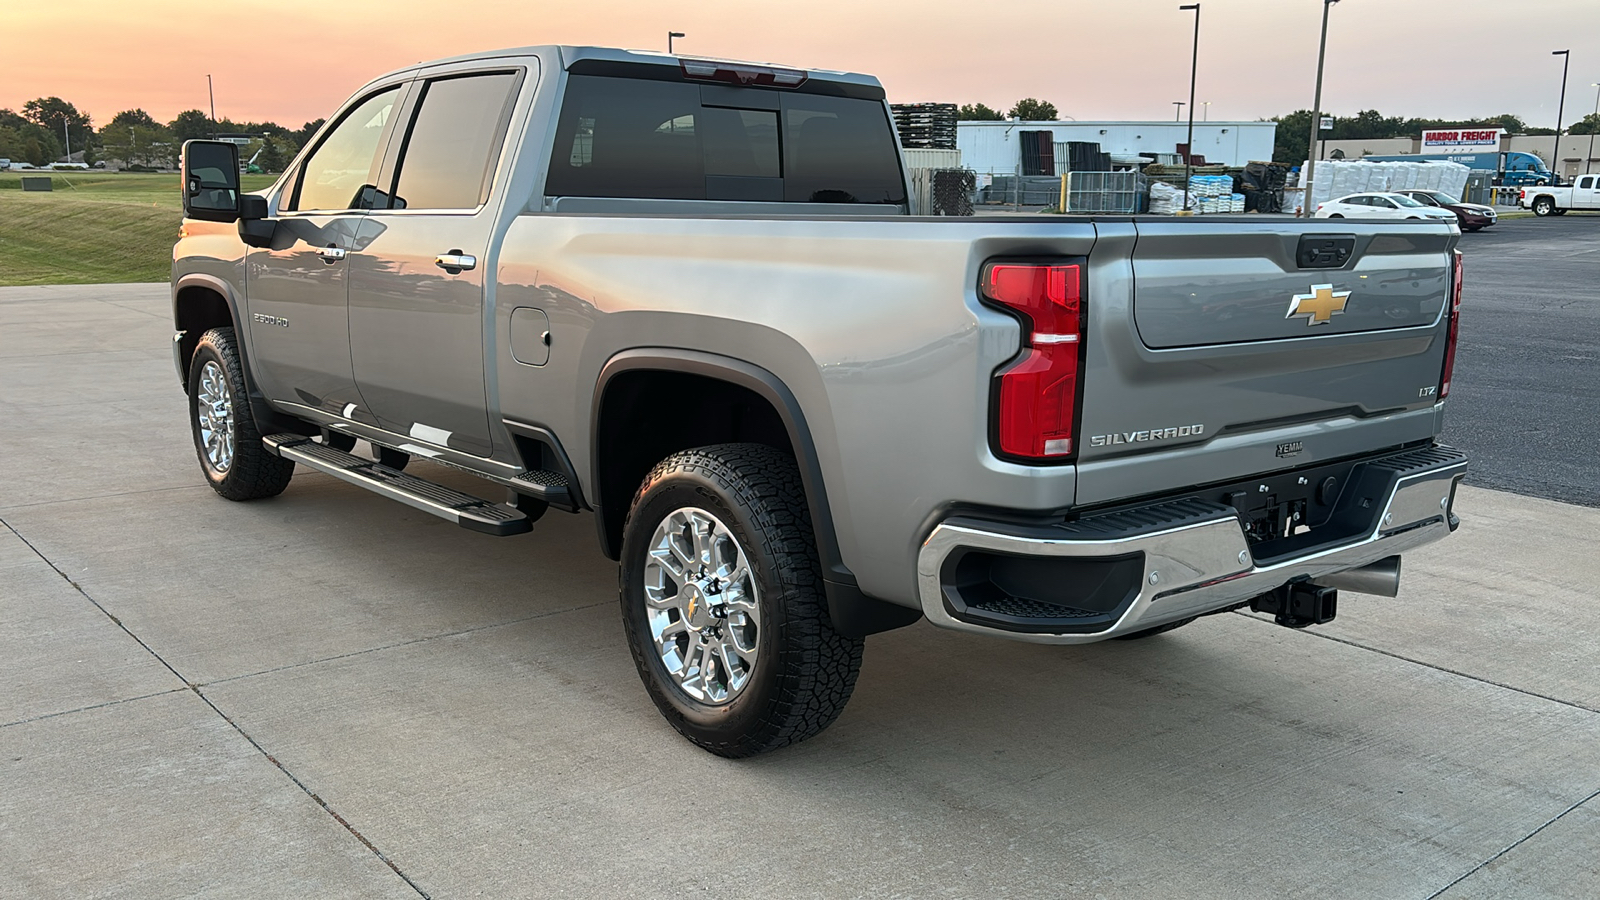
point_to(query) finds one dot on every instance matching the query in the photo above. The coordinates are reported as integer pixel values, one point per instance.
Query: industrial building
(992, 148)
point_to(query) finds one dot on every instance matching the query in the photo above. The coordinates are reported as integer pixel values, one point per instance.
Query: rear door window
(450, 151)
(638, 138)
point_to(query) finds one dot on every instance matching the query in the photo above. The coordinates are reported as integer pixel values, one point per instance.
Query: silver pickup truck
(686, 296)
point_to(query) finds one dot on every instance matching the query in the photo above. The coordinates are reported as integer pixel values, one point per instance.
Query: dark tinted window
(454, 142)
(839, 150)
(623, 137)
(338, 173)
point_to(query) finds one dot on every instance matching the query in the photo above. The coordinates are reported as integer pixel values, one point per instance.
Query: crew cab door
(417, 280)
(297, 288)
(1586, 192)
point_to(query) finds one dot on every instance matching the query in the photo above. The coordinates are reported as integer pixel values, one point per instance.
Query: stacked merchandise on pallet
(1341, 177)
(925, 125)
(1263, 184)
(1166, 200)
(1081, 156)
(1215, 193)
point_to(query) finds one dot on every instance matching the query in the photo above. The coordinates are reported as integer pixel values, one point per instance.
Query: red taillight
(1038, 394)
(1455, 328)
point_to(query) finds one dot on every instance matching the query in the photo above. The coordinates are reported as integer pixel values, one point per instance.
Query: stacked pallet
(926, 125)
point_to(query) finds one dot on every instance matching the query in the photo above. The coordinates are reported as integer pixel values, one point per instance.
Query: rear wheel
(1544, 206)
(723, 606)
(232, 456)
(1336, 216)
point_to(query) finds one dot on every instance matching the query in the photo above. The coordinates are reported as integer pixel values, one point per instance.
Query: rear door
(1221, 349)
(417, 282)
(1586, 192)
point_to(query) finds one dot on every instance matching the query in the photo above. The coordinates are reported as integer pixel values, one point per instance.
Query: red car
(1473, 216)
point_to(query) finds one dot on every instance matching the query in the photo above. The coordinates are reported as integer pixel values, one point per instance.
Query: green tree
(305, 132)
(56, 115)
(131, 117)
(1031, 110)
(977, 112)
(1589, 124)
(1289, 144)
(192, 125)
(26, 140)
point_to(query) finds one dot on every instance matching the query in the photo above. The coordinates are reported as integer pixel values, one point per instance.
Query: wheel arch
(201, 302)
(629, 433)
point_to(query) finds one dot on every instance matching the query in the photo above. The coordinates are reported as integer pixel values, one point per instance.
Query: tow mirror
(211, 180)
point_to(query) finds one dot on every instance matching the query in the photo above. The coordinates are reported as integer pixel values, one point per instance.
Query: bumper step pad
(465, 510)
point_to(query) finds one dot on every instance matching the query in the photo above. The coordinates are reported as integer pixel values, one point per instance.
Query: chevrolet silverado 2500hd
(687, 296)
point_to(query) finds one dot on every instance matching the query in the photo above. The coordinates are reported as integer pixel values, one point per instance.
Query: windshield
(1403, 200)
(1443, 198)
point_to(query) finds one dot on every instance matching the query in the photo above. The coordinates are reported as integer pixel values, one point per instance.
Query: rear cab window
(660, 138)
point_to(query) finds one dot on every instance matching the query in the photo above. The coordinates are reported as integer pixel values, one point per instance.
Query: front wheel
(225, 437)
(1335, 216)
(1544, 206)
(723, 605)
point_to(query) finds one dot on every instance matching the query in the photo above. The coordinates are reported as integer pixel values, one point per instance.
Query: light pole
(1316, 112)
(213, 95)
(1194, 69)
(1177, 114)
(670, 36)
(1561, 107)
(1593, 127)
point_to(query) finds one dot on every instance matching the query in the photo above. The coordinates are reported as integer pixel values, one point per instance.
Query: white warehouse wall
(992, 146)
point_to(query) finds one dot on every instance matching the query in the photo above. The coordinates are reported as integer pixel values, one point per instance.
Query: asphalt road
(1526, 399)
(329, 694)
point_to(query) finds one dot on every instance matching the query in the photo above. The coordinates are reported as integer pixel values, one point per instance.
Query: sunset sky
(290, 61)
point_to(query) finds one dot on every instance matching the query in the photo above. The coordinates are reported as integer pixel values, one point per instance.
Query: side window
(449, 155)
(1381, 202)
(639, 138)
(1355, 201)
(339, 173)
(1586, 182)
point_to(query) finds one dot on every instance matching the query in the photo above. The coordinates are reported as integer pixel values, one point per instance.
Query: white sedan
(1379, 205)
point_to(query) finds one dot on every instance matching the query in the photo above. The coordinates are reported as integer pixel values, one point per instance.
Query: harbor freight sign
(1462, 140)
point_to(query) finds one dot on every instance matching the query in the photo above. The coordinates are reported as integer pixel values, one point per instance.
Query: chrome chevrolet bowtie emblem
(1319, 306)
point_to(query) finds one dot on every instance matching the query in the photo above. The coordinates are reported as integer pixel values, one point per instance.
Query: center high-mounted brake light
(1037, 398)
(742, 74)
(1456, 272)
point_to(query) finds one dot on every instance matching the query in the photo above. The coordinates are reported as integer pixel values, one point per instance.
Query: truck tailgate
(1222, 349)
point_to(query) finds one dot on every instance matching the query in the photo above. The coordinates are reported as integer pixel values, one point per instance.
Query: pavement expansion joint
(1512, 846)
(382, 857)
(68, 712)
(1428, 665)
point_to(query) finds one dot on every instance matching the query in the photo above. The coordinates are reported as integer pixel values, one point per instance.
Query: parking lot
(331, 695)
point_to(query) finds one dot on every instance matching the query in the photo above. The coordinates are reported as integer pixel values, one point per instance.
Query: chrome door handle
(455, 261)
(331, 253)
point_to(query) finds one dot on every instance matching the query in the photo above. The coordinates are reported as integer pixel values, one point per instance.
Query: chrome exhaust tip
(1381, 578)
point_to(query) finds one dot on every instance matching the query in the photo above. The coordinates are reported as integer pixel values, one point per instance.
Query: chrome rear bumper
(1203, 564)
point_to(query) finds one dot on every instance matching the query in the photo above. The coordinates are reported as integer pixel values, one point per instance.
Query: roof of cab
(569, 55)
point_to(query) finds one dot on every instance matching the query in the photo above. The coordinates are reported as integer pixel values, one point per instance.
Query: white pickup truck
(1546, 200)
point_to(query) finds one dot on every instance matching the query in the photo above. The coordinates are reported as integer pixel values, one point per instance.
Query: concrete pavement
(329, 694)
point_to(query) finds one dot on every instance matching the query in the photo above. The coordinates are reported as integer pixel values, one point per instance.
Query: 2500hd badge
(1139, 437)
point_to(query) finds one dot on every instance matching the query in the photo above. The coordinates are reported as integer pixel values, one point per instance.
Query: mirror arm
(255, 229)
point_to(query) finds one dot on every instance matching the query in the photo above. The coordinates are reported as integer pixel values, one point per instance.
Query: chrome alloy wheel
(702, 606)
(214, 407)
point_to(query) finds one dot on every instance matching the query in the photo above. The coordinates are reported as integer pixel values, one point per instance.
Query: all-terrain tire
(251, 473)
(804, 671)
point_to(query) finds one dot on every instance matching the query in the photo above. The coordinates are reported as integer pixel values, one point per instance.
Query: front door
(417, 278)
(298, 288)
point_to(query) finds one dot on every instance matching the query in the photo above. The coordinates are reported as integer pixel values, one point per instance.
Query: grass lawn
(92, 228)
